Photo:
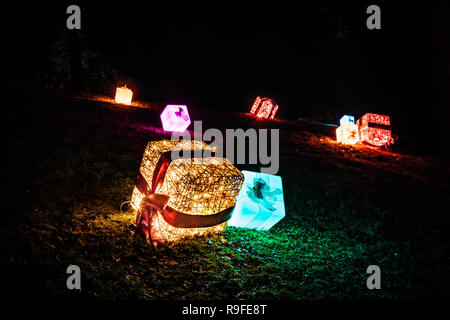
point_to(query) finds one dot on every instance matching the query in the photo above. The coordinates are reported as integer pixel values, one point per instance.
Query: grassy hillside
(71, 163)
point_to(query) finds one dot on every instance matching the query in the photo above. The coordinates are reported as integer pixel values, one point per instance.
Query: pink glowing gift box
(175, 118)
(264, 108)
(375, 129)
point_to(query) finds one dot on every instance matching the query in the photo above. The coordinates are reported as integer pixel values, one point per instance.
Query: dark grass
(70, 164)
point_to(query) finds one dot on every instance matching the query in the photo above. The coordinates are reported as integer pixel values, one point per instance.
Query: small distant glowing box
(260, 204)
(347, 120)
(175, 118)
(375, 129)
(124, 95)
(183, 196)
(264, 108)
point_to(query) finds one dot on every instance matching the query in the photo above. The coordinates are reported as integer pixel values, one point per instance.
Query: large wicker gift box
(191, 195)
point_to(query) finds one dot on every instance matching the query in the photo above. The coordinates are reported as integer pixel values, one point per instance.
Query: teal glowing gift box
(260, 203)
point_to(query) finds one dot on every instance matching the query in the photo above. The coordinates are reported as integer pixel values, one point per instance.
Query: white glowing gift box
(347, 133)
(176, 197)
(260, 204)
(124, 95)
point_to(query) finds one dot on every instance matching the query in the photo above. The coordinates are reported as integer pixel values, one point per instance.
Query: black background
(317, 59)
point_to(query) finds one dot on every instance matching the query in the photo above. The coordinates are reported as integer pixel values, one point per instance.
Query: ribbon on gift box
(370, 124)
(260, 193)
(181, 114)
(154, 203)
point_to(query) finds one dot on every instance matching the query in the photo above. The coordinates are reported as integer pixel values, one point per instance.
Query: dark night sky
(314, 54)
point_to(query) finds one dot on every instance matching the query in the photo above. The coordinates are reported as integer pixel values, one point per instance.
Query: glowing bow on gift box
(181, 114)
(260, 205)
(261, 194)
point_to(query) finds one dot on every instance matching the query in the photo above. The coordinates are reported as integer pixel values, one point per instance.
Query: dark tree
(76, 74)
(442, 116)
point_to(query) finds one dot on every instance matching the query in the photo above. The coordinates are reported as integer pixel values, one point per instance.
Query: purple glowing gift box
(175, 118)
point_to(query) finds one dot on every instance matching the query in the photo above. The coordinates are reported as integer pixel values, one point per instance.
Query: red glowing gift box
(375, 129)
(264, 108)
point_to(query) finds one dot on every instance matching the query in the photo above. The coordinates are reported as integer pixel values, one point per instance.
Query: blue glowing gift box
(347, 120)
(260, 203)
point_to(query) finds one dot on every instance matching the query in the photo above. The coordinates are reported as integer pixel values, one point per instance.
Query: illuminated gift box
(346, 119)
(260, 204)
(124, 95)
(180, 197)
(175, 118)
(375, 129)
(347, 133)
(264, 108)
